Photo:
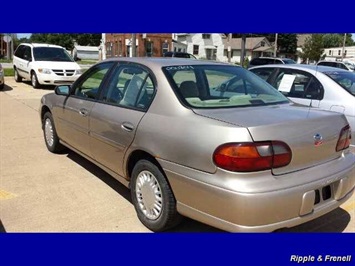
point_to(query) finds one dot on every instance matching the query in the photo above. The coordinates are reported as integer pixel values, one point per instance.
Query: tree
(336, 40)
(287, 44)
(67, 40)
(313, 48)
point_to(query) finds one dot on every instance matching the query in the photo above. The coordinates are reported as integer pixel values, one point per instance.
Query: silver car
(322, 87)
(250, 161)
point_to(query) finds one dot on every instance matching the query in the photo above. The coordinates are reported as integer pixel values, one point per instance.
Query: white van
(44, 64)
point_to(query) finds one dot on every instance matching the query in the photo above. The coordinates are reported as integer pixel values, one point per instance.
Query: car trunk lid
(311, 134)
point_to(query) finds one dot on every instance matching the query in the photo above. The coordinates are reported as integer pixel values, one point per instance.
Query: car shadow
(2, 228)
(7, 88)
(333, 222)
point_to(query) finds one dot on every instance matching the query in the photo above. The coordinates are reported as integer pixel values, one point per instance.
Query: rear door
(115, 118)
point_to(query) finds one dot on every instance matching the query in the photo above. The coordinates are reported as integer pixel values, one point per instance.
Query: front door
(73, 117)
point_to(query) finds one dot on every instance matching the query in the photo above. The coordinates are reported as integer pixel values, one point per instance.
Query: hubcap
(34, 80)
(48, 132)
(149, 196)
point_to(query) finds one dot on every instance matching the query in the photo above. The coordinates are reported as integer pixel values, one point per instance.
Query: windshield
(345, 79)
(218, 86)
(51, 54)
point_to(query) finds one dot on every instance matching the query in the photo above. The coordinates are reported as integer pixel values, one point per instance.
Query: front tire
(50, 134)
(18, 78)
(153, 198)
(34, 80)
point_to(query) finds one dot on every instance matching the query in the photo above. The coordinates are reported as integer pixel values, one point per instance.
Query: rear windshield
(288, 61)
(345, 79)
(51, 54)
(216, 86)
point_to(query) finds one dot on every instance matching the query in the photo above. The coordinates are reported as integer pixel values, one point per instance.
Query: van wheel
(18, 78)
(34, 80)
(153, 198)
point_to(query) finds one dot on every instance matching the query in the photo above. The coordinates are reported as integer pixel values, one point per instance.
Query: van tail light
(344, 139)
(252, 156)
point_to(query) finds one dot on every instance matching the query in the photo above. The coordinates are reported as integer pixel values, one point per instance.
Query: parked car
(323, 87)
(44, 64)
(179, 54)
(2, 78)
(252, 161)
(269, 61)
(337, 64)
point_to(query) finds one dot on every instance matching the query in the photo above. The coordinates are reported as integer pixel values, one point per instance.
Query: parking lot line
(6, 195)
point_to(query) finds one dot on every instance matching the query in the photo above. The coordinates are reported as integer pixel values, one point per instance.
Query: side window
(20, 51)
(130, 86)
(298, 84)
(27, 53)
(263, 73)
(89, 86)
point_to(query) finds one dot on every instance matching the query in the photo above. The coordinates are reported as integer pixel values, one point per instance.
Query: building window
(262, 44)
(330, 52)
(195, 49)
(120, 52)
(339, 52)
(206, 36)
(149, 48)
(345, 52)
(165, 47)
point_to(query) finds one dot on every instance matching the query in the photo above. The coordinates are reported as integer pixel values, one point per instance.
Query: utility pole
(343, 54)
(134, 48)
(275, 46)
(229, 47)
(8, 46)
(242, 56)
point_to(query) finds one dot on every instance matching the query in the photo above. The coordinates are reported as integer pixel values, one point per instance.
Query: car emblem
(318, 139)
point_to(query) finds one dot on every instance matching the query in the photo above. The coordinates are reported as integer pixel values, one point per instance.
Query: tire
(18, 78)
(153, 198)
(34, 80)
(2, 86)
(50, 134)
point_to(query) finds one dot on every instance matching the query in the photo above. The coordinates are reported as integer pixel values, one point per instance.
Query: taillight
(344, 139)
(252, 156)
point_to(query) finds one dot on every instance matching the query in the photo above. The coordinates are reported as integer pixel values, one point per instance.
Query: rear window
(345, 79)
(288, 61)
(215, 86)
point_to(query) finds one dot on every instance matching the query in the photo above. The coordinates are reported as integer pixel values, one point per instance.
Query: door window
(298, 84)
(89, 86)
(130, 86)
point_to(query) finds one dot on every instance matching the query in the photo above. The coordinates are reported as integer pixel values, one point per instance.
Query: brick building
(147, 44)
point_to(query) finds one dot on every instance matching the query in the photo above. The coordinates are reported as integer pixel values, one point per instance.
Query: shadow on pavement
(7, 88)
(2, 228)
(101, 174)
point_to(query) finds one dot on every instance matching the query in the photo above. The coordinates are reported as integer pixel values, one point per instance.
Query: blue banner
(177, 249)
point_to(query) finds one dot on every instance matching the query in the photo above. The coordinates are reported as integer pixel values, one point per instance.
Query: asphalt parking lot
(43, 192)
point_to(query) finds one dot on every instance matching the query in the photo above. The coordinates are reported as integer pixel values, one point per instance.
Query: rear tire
(153, 198)
(2, 86)
(34, 80)
(50, 134)
(18, 78)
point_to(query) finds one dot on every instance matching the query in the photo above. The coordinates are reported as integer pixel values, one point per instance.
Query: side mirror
(62, 90)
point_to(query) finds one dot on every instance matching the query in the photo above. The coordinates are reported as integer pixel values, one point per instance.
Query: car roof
(309, 68)
(166, 61)
(42, 45)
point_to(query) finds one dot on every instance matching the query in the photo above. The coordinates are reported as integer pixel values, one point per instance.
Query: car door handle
(127, 126)
(83, 112)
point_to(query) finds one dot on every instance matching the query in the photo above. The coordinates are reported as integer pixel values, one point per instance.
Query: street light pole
(343, 54)
(275, 46)
(134, 48)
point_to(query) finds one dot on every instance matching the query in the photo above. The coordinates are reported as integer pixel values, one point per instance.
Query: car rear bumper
(53, 79)
(237, 208)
